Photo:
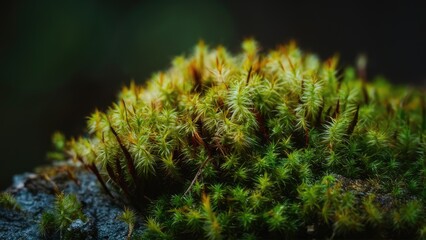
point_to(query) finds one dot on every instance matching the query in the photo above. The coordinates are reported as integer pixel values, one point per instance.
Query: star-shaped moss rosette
(263, 145)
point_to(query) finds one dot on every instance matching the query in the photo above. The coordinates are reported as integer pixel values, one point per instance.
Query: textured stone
(35, 195)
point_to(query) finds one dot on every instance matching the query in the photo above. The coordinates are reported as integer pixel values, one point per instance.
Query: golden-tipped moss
(263, 145)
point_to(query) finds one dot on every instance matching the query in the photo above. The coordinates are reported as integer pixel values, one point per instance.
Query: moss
(66, 209)
(128, 216)
(8, 201)
(58, 142)
(263, 145)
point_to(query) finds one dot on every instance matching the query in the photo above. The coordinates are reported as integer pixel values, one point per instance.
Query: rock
(81, 230)
(36, 194)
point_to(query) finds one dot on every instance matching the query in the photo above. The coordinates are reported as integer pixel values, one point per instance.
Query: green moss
(66, 209)
(263, 145)
(8, 201)
(128, 216)
(58, 142)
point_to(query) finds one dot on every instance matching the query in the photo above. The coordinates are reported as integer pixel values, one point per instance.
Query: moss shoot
(66, 209)
(262, 146)
(8, 201)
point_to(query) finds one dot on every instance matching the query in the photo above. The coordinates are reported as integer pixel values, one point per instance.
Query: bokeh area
(59, 60)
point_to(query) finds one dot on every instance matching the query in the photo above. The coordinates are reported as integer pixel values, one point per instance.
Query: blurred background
(59, 60)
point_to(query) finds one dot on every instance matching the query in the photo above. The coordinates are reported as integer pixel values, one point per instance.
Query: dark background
(61, 59)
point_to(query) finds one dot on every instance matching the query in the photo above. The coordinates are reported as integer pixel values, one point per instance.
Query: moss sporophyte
(262, 146)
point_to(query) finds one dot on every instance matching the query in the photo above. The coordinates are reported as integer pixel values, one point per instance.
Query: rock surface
(36, 194)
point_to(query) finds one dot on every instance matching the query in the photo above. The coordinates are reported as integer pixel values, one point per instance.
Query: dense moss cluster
(263, 145)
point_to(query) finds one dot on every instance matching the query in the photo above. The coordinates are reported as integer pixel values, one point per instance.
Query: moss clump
(266, 146)
(8, 201)
(66, 209)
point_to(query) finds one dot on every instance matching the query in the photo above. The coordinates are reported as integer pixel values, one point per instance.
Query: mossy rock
(262, 145)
